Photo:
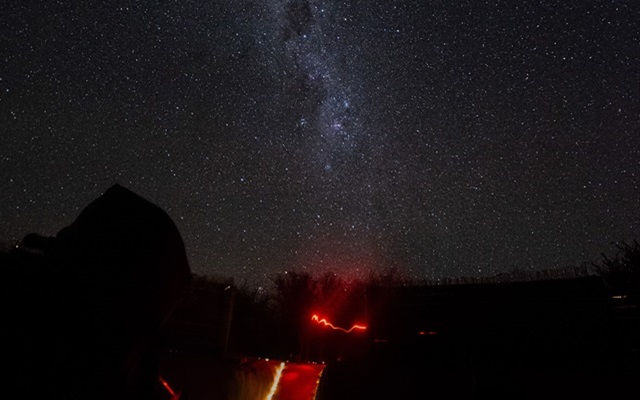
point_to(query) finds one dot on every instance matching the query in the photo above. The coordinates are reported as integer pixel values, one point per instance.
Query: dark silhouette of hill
(82, 309)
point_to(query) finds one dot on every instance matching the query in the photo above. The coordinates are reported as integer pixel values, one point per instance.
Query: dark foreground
(571, 339)
(413, 373)
(109, 309)
(496, 377)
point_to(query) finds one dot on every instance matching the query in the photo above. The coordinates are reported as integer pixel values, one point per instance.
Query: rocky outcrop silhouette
(94, 301)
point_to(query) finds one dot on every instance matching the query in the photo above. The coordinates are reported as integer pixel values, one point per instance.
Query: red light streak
(174, 395)
(324, 322)
(276, 381)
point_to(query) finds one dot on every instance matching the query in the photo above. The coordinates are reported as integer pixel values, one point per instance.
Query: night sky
(443, 138)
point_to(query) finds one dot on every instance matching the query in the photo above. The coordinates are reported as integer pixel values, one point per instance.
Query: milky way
(442, 138)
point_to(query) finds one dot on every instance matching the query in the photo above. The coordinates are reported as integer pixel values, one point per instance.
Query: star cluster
(442, 138)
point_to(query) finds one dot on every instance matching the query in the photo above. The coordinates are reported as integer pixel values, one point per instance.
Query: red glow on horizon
(324, 322)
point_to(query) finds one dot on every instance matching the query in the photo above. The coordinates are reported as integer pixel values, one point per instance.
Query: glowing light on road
(315, 390)
(276, 381)
(324, 322)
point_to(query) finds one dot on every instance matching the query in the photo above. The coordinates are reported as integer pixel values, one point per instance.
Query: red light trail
(276, 381)
(324, 322)
(174, 395)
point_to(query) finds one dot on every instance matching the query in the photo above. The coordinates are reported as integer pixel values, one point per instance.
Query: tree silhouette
(253, 327)
(622, 272)
(293, 297)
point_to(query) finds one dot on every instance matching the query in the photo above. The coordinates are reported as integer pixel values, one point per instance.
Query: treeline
(277, 322)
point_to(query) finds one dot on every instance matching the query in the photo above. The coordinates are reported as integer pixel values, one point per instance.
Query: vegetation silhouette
(621, 272)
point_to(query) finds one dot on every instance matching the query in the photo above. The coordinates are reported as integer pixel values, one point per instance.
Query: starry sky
(442, 138)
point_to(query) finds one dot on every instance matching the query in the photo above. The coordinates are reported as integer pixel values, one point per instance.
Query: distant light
(619, 297)
(276, 381)
(324, 322)
(427, 333)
